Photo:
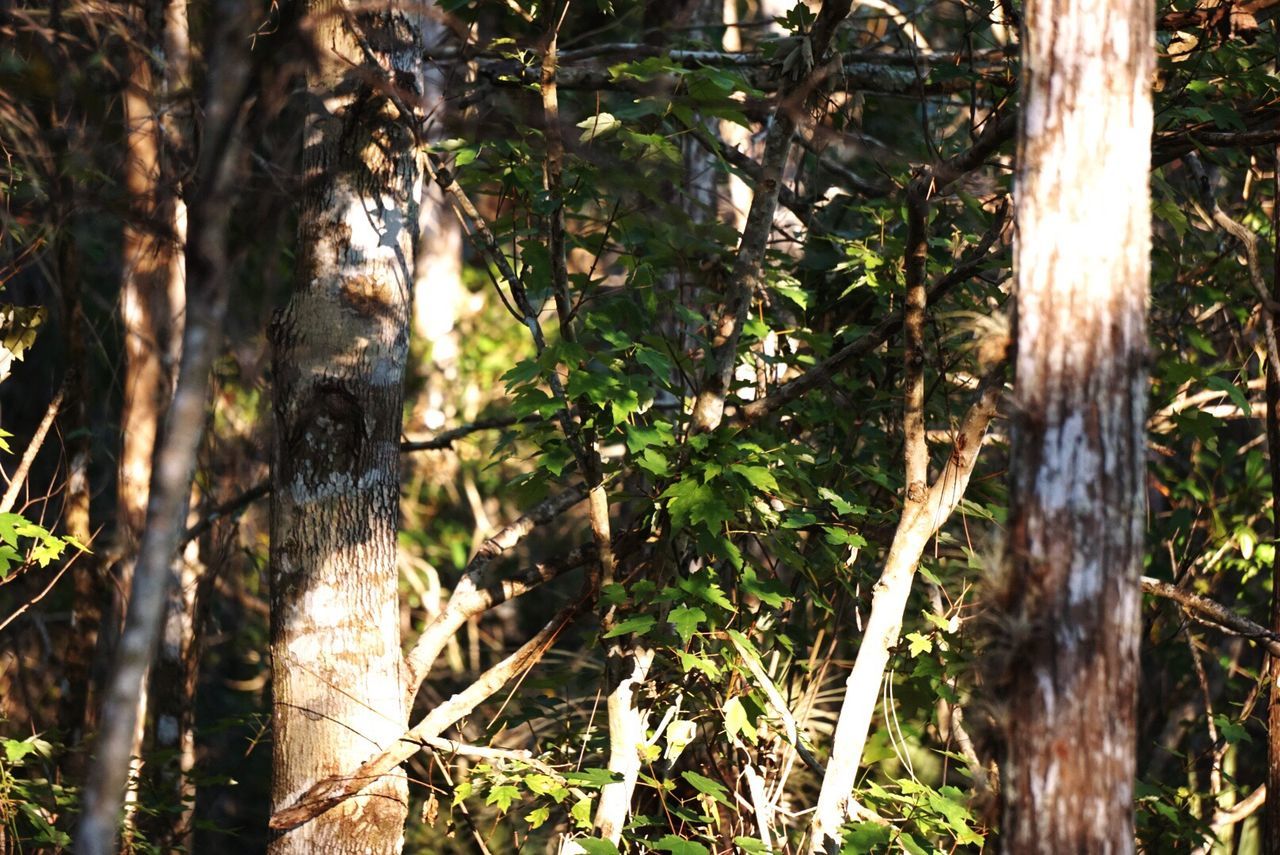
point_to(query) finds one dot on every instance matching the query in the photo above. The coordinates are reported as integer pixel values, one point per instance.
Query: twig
(33, 448)
(1214, 613)
(438, 442)
(474, 595)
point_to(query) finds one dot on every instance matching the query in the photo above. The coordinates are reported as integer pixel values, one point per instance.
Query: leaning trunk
(340, 348)
(1077, 485)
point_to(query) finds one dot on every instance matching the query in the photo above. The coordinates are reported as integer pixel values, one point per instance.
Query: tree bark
(340, 348)
(1074, 555)
(152, 305)
(208, 273)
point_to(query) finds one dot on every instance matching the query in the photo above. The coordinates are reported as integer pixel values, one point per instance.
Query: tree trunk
(222, 160)
(1077, 514)
(152, 302)
(173, 683)
(1271, 811)
(340, 349)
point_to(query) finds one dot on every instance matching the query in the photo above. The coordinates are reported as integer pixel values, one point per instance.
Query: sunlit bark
(1075, 534)
(340, 348)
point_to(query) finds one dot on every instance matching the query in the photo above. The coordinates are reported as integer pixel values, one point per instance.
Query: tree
(339, 352)
(1070, 595)
(685, 523)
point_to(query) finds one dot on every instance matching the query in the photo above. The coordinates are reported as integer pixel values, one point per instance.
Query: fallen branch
(332, 791)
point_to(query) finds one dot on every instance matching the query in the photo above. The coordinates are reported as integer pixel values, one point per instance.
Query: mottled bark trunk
(1077, 511)
(340, 349)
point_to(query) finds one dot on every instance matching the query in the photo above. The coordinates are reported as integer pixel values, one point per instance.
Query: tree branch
(821, 373)
(477, 593)
(748, 268)
(331, 792)
(922, 516)
(439, 442)
(1214, 613)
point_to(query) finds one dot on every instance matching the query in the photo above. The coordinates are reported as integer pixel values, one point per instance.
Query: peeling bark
(1071, 596)
(340, 349)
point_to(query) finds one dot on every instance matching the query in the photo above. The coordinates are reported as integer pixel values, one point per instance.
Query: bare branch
(333, 791)
(748, 268)
(921, 517)
(439, 442)
(474, 595)
(1214, 613)
(19, 476)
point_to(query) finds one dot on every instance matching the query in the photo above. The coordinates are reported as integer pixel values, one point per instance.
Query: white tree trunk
(340, 349)
(1071, 592)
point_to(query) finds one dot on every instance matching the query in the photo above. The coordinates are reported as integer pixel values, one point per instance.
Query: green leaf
(680, 846)
(592, 777)
(757, 476)
(736, 720)
(18, 326)
(690, 661)
(919, 644)
(502, 796)
(1200, 343)
(940, 621)
(652, 461)
(912, 845)
(771, 592)
(580, 813)
(595, 846)
(540, 784)
(1231, 731)
(537, 816)
(793, 293)
(709, 787)
(864, 837)
(844, 537)
(701, 586)
(843, 508)
(686, 621)
(640, 624)
(1222, 384)
(598, 125)
(691, 501)
(751, 845)
(640, 437)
